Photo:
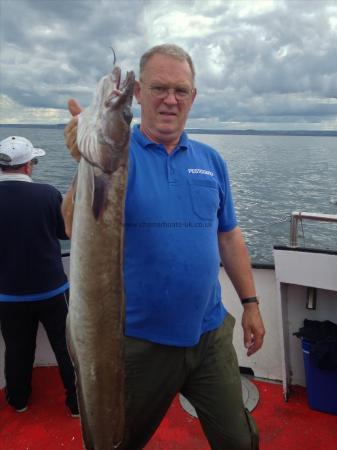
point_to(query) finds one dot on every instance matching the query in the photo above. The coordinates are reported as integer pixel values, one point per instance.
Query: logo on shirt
(201, 171)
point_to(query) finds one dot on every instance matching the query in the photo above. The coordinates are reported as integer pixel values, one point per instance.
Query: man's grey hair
(168, 50)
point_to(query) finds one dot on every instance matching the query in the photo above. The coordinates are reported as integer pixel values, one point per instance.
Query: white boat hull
(268, 363)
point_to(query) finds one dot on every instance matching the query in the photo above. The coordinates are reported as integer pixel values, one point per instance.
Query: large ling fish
(96, 309)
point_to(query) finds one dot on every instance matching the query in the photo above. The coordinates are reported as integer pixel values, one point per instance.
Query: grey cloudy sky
(262, 64)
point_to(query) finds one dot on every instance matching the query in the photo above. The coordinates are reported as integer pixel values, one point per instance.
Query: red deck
(47, 424)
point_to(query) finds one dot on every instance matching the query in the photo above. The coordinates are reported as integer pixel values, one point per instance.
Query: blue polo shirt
(175, 205)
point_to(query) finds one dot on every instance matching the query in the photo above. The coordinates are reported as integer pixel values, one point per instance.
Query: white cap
(16, 150)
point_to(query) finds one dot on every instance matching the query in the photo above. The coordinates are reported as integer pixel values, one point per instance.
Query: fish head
(104, 127)
(116, 115)
(119, 100)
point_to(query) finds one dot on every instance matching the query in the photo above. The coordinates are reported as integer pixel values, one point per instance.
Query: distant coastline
(204, 131)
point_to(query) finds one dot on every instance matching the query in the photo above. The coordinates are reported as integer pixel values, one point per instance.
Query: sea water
(271, 176)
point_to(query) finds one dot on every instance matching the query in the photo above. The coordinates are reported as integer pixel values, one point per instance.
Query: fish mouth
(122, 90)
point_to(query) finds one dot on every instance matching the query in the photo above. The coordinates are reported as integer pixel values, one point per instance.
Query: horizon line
(197, 130)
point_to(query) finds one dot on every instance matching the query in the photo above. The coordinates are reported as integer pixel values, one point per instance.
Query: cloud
(10, 111)
(262, 63)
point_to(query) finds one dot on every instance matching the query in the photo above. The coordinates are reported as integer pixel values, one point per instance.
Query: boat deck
(48, 425)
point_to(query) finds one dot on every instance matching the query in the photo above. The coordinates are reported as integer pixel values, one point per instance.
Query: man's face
(163, 119)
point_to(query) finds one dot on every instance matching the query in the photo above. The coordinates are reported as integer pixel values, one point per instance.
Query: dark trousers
(207, 375)
(19, 324)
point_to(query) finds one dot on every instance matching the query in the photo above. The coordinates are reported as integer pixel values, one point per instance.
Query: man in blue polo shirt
(179, 223)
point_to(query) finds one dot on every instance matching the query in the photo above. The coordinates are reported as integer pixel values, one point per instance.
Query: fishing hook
(113, 51)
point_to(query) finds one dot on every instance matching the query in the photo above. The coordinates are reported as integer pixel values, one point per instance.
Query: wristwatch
(255, 299)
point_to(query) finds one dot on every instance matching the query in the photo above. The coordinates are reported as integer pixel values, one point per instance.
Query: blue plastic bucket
(321, 384)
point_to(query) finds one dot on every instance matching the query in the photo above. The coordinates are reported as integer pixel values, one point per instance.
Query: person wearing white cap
(33, 285)
(17, 150)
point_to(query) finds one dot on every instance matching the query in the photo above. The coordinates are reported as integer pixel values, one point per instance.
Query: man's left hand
(253, 328)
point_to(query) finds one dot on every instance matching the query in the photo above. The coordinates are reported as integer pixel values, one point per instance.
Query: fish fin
(99, 200)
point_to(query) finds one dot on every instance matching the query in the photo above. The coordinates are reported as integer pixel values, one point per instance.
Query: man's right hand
(70, 131)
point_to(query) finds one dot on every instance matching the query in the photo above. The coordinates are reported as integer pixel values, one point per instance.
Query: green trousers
(206, 374)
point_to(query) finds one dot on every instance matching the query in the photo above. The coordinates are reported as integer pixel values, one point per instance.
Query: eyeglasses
(181, 93)
(34, 161)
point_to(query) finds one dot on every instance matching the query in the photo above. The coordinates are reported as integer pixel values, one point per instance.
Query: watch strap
(254, 299)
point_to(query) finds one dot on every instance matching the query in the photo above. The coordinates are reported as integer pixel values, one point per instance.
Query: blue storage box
(321, 384)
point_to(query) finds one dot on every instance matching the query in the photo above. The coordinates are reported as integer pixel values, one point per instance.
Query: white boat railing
(297, 217)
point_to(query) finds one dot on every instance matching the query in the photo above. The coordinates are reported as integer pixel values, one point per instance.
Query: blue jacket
(30, 226)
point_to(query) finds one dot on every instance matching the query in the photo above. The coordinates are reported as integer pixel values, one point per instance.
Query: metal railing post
(293, 229)
(296, 216)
